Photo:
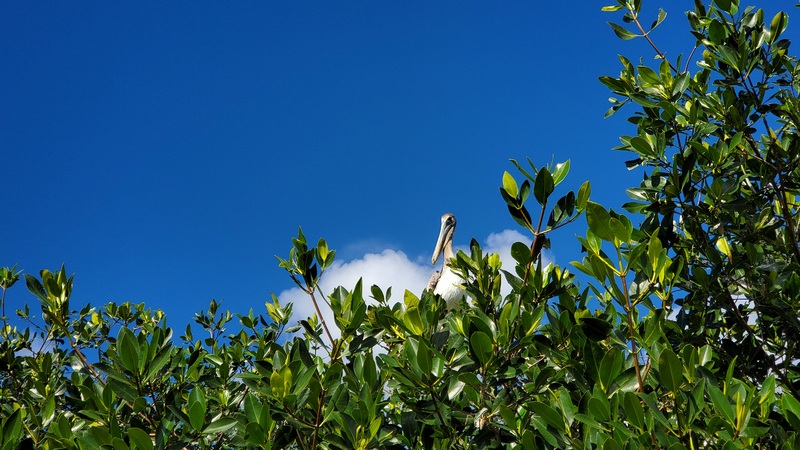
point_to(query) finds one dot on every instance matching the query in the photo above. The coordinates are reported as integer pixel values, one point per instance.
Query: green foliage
(684, 334)
(721, 148)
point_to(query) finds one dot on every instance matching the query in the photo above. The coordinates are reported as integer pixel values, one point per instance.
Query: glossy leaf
(543, 186)
(621, 32)
(220, 425)
(599, 221)
(560, 172)
(140, 439)
(671, 370)
(550, 415)
(197, 409)
(510, 185)
(481, 345)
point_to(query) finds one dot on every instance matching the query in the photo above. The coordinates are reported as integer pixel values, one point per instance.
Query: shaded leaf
(481, 345)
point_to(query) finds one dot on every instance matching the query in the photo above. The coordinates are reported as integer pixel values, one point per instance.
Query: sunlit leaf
(622, 33)
(599, 221)
(777, 26)
(560, 172)
(220, 425)
(510, 185)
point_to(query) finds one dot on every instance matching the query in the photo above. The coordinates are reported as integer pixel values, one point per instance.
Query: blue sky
(166, 152)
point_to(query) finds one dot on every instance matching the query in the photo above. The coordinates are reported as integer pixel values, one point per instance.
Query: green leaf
(550, 415)
(35, 287)
(790, 404)
(322, 252)
(730, 57)
(521, 216)
(680, 84)
(220, 425)
(671, 370)
(595, 329)
(610, 367)
(642, 147)
(456, 386)
(599, 220)
(524, 191)
(560, 172)
(159, 361)
(521, 253)
(410, 299)
(583, 196)
(123, 389)
(424, 359)
(777, 26)
(140, 440)
(717, 32)
(648, 76)
(522, 169)
(616, 85)
(621, 32)
(633, 409)
(413, 321)
(622, 233)
(722, 245)
(599, 407)
(197, 409)
(721, 403)
(661, 16)
(49, 410)
(12, 430)
(252, 407)
(543, 186)
(563, 210)
(728, 6)
(255, 434)
(654, 250)
(128, 350)
(510, 185)
(281, 382)
(481, 345)
(508, 416)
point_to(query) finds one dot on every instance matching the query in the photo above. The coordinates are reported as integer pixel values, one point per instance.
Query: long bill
(444, 243)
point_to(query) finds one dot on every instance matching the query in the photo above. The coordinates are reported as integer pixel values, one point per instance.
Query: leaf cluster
(679, 328)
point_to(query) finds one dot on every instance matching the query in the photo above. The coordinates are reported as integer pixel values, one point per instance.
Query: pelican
(446, 283)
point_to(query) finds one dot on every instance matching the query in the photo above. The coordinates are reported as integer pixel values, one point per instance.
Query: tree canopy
(678, 328)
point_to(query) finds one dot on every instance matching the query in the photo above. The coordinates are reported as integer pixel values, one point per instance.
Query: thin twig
(631, 332)
(321, 319)
(646, 35)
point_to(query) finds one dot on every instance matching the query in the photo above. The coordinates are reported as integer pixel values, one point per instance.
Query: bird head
(445, 240)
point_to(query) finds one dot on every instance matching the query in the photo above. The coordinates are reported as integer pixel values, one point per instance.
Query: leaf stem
(321, 318)
(631, 328)
(646, 35)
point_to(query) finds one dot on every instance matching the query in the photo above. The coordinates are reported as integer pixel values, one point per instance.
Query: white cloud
(387, 268)
(38, 345)
(391, 268)
(501, 243)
